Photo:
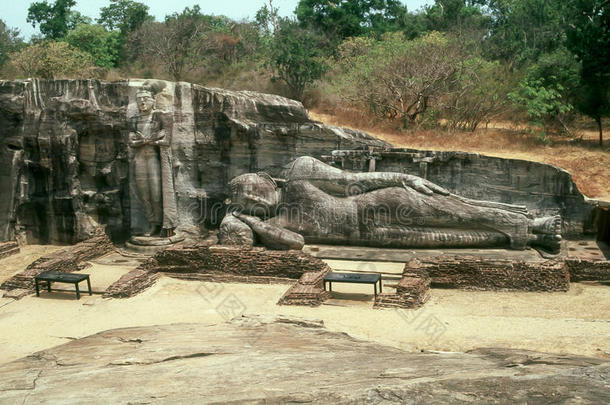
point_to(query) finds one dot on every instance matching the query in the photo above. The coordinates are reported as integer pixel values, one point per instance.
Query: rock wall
(234, 260)
(66, 161)
(544, 189)
(66, 168)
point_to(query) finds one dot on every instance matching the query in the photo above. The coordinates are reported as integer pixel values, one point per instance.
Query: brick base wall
(66, 260)
(412, 291)
(588, 270)
(8, 249)
(218, 264)
(467, 272)
(309, 290)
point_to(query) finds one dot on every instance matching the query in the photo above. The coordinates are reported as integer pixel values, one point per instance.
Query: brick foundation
(218, 264)
(467, 272)
(69, 259)
(309, 290)
(131, 284)
(412, 291)
(8, 249)
(588, 270)
(234, 260)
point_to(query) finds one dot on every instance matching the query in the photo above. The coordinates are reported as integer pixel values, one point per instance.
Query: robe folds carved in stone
(151, 165)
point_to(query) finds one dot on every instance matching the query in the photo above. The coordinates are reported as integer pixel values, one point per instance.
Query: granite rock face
(288, 360)
(64, 145)
(66, 160)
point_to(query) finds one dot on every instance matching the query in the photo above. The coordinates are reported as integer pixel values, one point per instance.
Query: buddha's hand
(423, 186)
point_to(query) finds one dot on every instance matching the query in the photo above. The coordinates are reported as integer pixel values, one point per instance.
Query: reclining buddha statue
(317, 203)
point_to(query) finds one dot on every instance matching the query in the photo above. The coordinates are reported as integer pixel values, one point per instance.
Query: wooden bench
(58, 277)
(367, 278)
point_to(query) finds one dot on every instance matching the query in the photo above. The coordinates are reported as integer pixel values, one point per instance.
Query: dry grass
(588, 164)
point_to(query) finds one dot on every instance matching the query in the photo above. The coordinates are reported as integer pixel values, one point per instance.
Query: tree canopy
(342, 19)
(458, 62)
(124, 15)
(10, 41)
(54, 19)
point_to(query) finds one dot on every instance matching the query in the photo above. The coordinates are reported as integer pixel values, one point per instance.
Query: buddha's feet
(551, 243)
(547, 225)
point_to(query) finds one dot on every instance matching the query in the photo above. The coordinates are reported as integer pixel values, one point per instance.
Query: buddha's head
(145, 101)
(254, 194)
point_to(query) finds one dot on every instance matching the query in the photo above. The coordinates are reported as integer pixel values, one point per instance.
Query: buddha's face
(253, 194)
(145, 102)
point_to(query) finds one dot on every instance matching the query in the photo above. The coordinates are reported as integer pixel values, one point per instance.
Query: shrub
(50, 60)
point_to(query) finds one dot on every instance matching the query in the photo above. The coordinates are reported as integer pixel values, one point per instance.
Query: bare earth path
(576, 322)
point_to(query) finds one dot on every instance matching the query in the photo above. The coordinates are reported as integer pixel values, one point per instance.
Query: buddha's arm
(160, 137)
(271, 235)
(339, 182)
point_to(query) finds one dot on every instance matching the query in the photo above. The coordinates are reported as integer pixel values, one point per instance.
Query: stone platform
(370, 254)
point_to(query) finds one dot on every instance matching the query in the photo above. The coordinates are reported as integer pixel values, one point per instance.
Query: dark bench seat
(58, 277)
(367, 278)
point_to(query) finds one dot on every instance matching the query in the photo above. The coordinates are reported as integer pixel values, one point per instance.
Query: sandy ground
(575, 322)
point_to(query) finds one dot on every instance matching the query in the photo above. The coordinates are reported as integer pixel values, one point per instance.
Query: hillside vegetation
(589, 166)
(521, 78)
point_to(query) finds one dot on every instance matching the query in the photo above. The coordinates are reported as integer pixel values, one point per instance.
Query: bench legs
(75, 287)
(330, 286)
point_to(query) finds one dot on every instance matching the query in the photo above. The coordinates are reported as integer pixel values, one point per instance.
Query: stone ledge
(229, 278)
(131, 284)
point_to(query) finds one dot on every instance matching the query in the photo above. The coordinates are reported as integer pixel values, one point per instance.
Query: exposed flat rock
(286, 360)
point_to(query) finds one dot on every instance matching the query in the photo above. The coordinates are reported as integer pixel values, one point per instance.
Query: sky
(14, 13)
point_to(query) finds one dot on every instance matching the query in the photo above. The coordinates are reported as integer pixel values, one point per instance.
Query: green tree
(52, 59)
(455, 15)
(103, 46)
(178, 44)
(296, 56)
(588, 37)
(9, 42)
(124, 15)
(395, 78)
(474, 94)
(543, 102)
(55, 19)
(340, 19)
(522, 30)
